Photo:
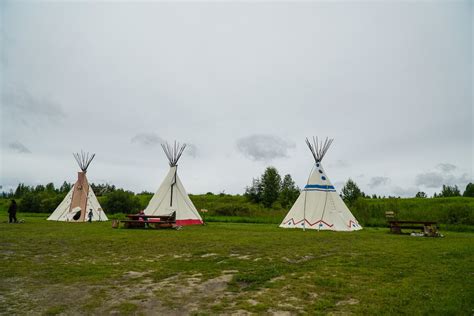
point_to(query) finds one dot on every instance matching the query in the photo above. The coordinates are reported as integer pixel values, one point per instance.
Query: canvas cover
(172, 197)
(78, 202)
(320, 207)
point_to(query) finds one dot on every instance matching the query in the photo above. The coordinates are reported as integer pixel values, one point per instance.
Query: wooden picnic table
(150, 221)
(429, 228)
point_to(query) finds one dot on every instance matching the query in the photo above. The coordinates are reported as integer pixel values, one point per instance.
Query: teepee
(81, 198)
(319, 206)
(171, 195)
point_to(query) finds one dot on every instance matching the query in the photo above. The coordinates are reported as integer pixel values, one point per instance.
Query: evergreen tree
(469, 192)
(449, 191)
(50, 187)
(254, 192)
(289, 191)
(421, 194)
(39, 188)
(65, 187)
(21, 190)
(350, 192)
(271, 182)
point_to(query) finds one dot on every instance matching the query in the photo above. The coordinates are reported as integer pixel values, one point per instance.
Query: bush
(233, 210)
(30, 202)
(48, 205)
(121, 201)
(457, 215)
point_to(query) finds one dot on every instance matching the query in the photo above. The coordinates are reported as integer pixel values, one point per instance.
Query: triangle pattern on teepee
(171, 195)
(319, 206)
(80, 200)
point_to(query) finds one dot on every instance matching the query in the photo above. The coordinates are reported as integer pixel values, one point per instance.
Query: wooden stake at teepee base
(319, 206)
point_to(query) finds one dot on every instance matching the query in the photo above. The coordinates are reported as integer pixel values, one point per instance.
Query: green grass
(66, 268)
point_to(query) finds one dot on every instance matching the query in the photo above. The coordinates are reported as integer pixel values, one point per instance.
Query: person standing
(12, 212)
(90, 216)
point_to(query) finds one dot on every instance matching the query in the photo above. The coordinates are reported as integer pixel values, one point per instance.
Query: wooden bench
(428, 228)
(150, 221)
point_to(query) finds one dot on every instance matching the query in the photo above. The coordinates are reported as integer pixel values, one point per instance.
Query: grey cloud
(147, 139)
(261, 147)
(19, 147)
(446, 167)
(378, 181)
(430, 179)
(21, 105)
(434, 179)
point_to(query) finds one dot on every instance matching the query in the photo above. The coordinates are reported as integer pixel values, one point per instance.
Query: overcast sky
(243, 84)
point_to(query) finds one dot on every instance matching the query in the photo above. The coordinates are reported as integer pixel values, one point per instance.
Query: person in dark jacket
(90, 216)
(12, 212)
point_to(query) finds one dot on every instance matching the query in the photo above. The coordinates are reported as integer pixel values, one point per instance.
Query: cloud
(446, 167)
(378, 181)
(19, 147)
(430, 179)
(261, 147)
(435, 179)
(147, 139)
(21, 105)
(191, 150)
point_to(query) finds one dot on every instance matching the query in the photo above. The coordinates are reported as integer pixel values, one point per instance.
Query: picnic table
(150, 221)
(428, 228)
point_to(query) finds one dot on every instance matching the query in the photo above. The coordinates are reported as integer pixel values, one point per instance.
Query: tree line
(351, 192)
(269, 190)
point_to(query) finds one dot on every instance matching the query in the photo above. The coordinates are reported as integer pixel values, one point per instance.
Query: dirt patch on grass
(206, 255)
(298, 260)
(351, 301)
(169, 296)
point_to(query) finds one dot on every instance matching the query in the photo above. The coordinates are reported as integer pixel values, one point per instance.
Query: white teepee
(171, 195)
(81, 198)
(319, 206)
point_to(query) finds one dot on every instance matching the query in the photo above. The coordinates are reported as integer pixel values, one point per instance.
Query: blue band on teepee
(319, 186)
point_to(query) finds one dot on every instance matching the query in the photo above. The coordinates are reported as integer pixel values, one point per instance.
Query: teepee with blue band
(319, 206)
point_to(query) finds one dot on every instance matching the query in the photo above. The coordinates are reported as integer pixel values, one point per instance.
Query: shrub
(30, 202)
(233, 210)
(121, 201)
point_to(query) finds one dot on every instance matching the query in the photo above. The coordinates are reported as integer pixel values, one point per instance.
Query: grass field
(53, 268)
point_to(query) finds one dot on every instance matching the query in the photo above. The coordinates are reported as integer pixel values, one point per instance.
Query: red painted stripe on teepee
(320, 221)
(186, 222)
(352, 222)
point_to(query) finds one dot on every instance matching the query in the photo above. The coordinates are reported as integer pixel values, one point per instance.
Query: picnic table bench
(150, 221)
(428, 228)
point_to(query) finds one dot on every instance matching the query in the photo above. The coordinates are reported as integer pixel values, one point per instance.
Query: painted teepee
(319, 206)
(81, 198)
(171, 195)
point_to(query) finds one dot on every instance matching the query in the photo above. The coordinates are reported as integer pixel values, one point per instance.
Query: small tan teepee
(81, 198)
